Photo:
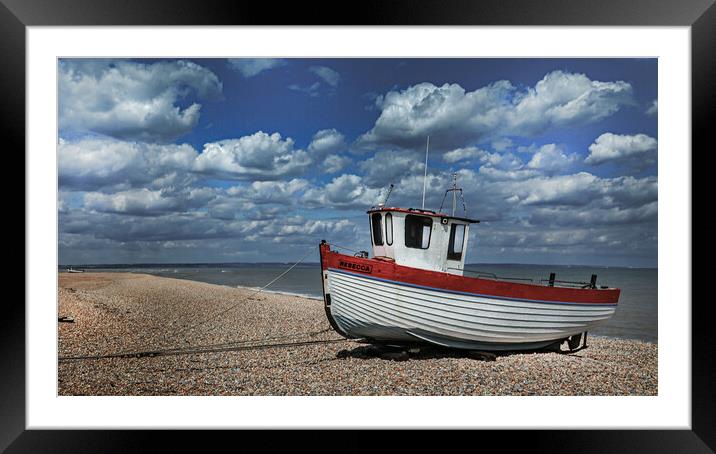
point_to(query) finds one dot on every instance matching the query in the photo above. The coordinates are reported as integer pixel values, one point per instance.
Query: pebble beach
(137, 334)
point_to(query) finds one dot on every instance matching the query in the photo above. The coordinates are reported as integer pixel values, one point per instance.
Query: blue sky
(221, 160)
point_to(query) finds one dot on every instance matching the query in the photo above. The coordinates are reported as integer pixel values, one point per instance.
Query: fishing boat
(414, 288)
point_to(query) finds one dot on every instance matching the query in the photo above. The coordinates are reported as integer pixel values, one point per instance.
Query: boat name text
(356, 266)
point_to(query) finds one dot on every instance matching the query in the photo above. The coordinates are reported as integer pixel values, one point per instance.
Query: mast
(425, 177)
(454, 192)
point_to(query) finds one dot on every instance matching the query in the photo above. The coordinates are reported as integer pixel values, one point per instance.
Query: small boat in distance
(72, 270)
(414, 289)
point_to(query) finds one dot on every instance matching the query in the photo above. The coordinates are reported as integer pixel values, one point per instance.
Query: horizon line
(185, 264)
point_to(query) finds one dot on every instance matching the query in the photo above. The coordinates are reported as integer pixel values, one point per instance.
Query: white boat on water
(72, 270)
(414, 288)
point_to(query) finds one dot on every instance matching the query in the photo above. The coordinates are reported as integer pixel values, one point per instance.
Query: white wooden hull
(383, 310)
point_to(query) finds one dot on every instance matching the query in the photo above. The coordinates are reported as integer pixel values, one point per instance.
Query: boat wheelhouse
(419, 238)
(414, 289)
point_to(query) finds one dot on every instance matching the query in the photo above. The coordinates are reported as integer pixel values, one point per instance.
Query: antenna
(390, 190)
(454, 191)
(425, 177)
(387, 196)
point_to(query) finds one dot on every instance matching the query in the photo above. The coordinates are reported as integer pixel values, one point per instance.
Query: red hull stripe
(405, 275)
(442, 290)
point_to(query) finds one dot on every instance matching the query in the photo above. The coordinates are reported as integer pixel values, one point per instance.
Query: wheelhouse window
(417, 231)
(457, 240)
(377, 232)
(389, 228)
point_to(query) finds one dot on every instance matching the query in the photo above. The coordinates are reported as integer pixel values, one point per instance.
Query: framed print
(467, 217)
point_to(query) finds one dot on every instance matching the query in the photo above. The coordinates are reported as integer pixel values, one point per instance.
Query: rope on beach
(263, 339)
(197, 350)
(225, 346)
(230, 308)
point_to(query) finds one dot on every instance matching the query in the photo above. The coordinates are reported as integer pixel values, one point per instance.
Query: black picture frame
(16, 15)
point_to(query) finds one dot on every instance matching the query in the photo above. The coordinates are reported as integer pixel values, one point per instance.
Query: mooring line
(235, 304)
(264, 339)
(193, 351)
(225, 346)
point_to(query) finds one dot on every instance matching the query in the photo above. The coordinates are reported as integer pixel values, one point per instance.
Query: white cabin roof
(423, 212)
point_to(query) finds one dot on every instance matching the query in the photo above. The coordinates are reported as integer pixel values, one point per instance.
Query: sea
(635, 318)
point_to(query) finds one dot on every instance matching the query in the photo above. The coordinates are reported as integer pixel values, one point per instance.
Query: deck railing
(493, 275)
(551, 281)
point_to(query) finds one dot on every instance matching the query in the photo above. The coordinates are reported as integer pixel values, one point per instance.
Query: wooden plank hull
(364, 305)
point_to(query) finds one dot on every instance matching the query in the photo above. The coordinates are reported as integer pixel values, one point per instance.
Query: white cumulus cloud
(327, 141)
(109, 164)
(564, 99)
(266, 192)
(146, 202)
(258, 156)
(453, 117)
(130, 100)
(465, 154)
(551, 158)
(617, 147)
(335, 163)
(345, 191)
